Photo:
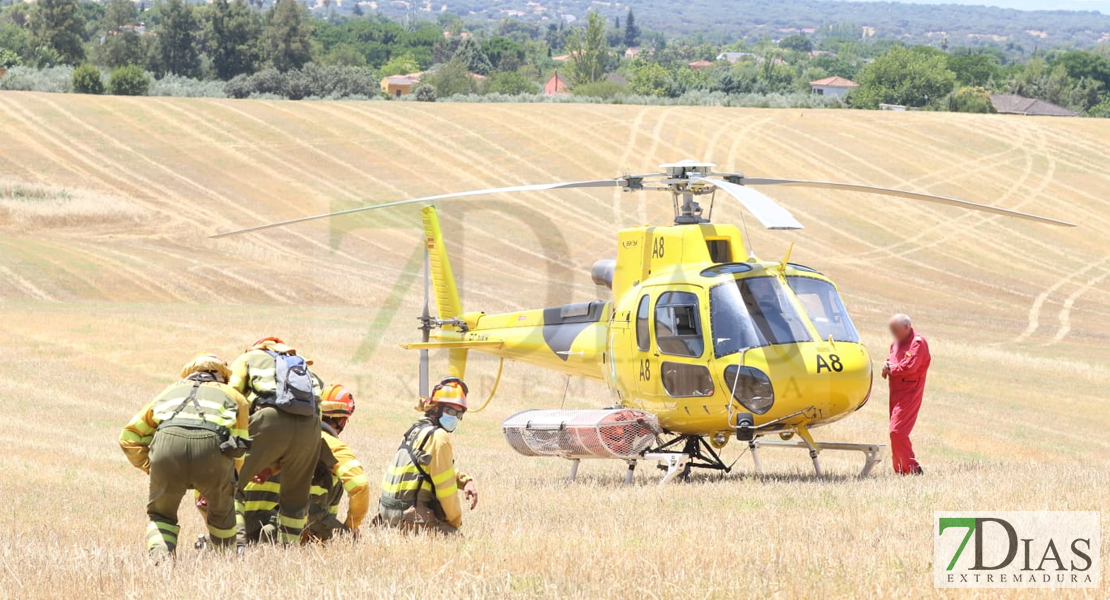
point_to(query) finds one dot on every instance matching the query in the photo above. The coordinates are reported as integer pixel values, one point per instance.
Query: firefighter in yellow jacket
(420, 488)
(189, 437)
(284, 427)
(337, 471)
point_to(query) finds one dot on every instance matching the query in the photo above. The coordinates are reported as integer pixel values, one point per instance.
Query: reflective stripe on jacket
(350, 473)
(403, 485)
(255, 375)
(221, 404)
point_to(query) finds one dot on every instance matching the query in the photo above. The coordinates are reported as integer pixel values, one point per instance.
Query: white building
(833, 86)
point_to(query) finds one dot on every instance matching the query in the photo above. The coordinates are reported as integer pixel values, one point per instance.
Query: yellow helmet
(207, 362)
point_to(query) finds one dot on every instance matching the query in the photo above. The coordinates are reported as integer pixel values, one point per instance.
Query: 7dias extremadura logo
(983, 549)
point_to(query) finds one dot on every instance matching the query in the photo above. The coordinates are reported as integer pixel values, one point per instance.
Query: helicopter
(699, 340)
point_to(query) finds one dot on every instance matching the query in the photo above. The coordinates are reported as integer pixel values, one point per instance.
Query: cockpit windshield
(753, 312)
(825, 309)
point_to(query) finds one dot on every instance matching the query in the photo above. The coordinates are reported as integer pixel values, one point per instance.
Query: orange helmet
(337, 402)
(451, 391)
(268, 339)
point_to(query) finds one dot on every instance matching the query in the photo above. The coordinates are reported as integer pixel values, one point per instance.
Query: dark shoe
(919, 471)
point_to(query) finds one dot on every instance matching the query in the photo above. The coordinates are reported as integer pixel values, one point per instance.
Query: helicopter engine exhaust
(602, 272)
(607, 433)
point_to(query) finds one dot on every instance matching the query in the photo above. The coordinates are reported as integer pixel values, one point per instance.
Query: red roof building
(555, 85)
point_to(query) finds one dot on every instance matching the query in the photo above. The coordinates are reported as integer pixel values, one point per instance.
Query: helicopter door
(676, 365)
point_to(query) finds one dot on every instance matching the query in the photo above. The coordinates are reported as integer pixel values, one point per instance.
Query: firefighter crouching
(337, 471)
(189, 437)
(420, 488)
(284, 427)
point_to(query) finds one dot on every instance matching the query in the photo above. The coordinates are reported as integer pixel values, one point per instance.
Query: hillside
(961, 23)
(108, 282)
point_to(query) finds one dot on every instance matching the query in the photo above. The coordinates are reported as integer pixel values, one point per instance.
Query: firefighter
(189, 437)
(336, 471)
(905, 369)
(284, 427)
(420, 487)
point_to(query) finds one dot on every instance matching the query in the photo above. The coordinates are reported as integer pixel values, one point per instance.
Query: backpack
(293, 391)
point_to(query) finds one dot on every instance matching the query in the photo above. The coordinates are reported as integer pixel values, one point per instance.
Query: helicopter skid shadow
(615, 481)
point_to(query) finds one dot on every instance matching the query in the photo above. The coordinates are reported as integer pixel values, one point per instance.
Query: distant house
(699, 64)
(561, 58)
(735, 57)
(555, 86)
(397, 85)
(632, 53)
(833, 86)
(1010, 104)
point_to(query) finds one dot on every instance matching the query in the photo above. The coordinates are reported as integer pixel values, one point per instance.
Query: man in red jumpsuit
(905, 369)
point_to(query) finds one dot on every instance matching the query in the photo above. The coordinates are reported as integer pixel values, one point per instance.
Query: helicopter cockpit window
(643, 340)
(753, 312)
(677, 324)
(825, 308)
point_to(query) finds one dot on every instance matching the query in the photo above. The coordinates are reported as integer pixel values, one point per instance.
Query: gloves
(470, 492)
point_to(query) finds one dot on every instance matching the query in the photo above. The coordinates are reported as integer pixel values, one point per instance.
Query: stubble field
(108, 282)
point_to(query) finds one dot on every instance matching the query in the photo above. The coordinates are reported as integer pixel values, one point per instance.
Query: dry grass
(95, 319)
(34, 206)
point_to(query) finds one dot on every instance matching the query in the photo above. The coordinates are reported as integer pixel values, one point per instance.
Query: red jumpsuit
(909, 362)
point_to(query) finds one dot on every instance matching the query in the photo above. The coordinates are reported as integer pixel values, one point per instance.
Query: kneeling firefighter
(337, 471)
(420, 488)
(190, 437)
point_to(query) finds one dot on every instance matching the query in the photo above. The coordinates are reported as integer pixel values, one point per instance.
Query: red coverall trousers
(909, 362)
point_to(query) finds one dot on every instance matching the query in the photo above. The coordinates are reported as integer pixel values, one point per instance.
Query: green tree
(401, 64)
(589, 50)
(649, 79)
(797, 43)
(344, 55)
(176, 46)
(122, 45)
(425, 93)
(974, 68)
(128, 81)
(971, 100)
(631, 30)
(450, 79)
(58, 25)
(233, 33)
(1080, 64)
(288, 36)
(512, 83)
(470, 54)
(9, 59)
(908, 76)
(505, 54)
(87, 80)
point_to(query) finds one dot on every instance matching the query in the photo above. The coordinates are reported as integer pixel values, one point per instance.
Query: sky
(1097, 5)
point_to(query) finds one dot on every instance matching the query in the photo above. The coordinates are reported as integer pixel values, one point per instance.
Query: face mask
(448, 422)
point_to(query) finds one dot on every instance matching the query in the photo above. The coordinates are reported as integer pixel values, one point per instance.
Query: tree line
(286, 50)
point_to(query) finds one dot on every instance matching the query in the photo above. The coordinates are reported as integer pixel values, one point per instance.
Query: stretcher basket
(605, 433)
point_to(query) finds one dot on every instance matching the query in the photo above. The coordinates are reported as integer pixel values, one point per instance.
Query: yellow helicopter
(700, 341)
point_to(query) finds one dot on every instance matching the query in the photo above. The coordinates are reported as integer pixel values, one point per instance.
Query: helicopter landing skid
(873, 453)
(696, 453)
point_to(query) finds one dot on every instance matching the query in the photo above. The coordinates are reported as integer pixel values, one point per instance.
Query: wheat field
(108, 282)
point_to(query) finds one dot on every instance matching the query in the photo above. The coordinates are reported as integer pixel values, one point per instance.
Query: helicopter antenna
(747, 240)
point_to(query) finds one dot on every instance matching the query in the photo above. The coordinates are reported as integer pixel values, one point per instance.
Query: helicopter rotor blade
(766, 210)
(868, 189)
(504, 190)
